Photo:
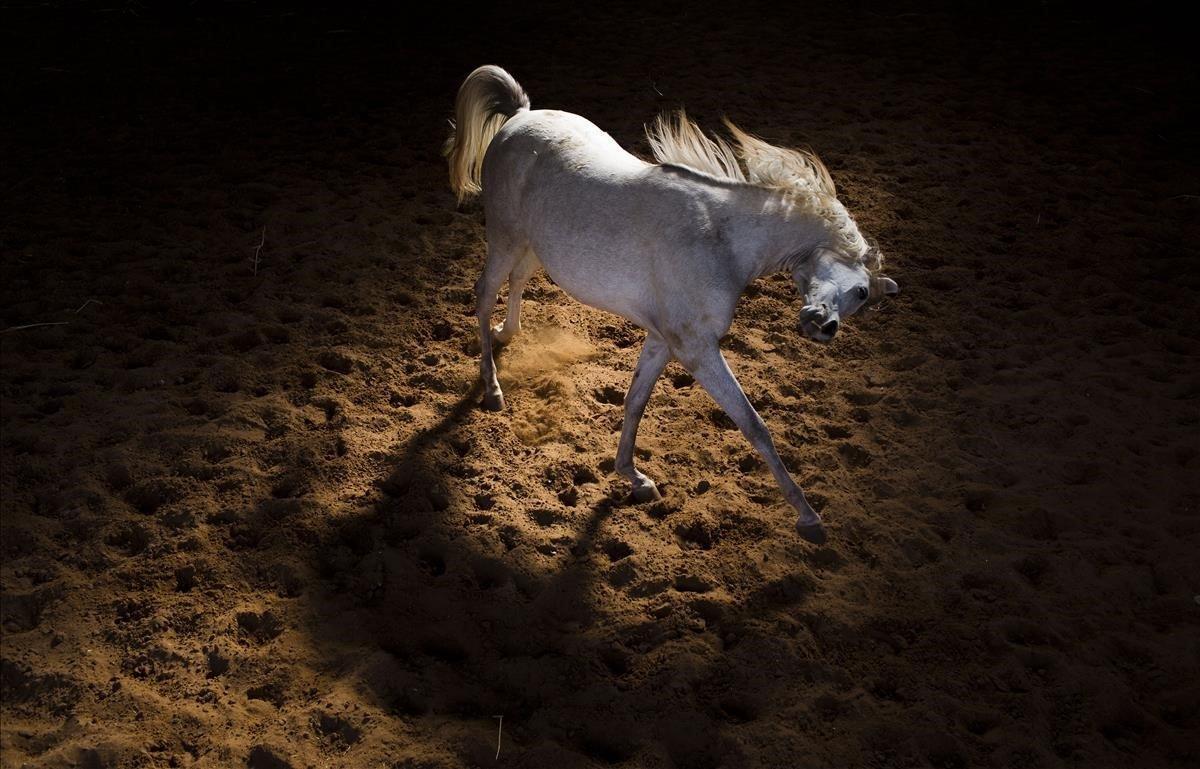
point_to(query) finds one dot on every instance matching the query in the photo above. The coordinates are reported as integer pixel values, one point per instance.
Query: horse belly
(597, 279)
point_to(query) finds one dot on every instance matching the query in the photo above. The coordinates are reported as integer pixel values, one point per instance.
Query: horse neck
(769, 234)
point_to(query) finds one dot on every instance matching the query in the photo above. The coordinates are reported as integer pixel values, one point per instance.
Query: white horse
(669, 245)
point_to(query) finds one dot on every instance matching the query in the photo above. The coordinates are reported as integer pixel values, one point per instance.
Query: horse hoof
(499, 337)
(493, 402)
(812, 532)
(646, 492)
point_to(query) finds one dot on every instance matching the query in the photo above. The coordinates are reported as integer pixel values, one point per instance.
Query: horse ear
(883, 286)
(873, 259)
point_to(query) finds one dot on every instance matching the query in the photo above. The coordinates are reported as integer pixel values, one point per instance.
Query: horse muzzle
(818, 325)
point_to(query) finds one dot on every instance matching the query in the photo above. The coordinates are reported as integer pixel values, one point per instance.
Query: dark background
(252, 515)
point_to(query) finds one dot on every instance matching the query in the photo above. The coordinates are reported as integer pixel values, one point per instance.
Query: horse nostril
(830, 328)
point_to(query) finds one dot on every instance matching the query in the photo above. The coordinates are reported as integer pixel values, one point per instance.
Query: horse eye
(862, 293)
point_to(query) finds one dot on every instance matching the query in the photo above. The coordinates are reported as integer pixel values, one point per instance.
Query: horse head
(835, 286)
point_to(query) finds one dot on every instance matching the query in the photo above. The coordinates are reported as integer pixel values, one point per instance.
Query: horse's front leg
(650, 365)
(712, 372)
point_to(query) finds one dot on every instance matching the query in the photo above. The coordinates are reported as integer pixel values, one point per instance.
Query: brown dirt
(259, 520)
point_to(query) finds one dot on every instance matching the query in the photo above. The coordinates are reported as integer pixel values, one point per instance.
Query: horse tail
(486, 100)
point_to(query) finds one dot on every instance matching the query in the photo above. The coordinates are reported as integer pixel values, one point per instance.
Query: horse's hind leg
(502, 256)
(650, 365)
(520, 275)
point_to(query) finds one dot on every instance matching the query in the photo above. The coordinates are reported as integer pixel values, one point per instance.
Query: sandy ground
(253, 515)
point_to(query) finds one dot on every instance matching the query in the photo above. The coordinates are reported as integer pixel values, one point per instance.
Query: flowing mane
(798, 173)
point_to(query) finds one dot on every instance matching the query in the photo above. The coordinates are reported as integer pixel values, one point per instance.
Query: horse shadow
(447, 617)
